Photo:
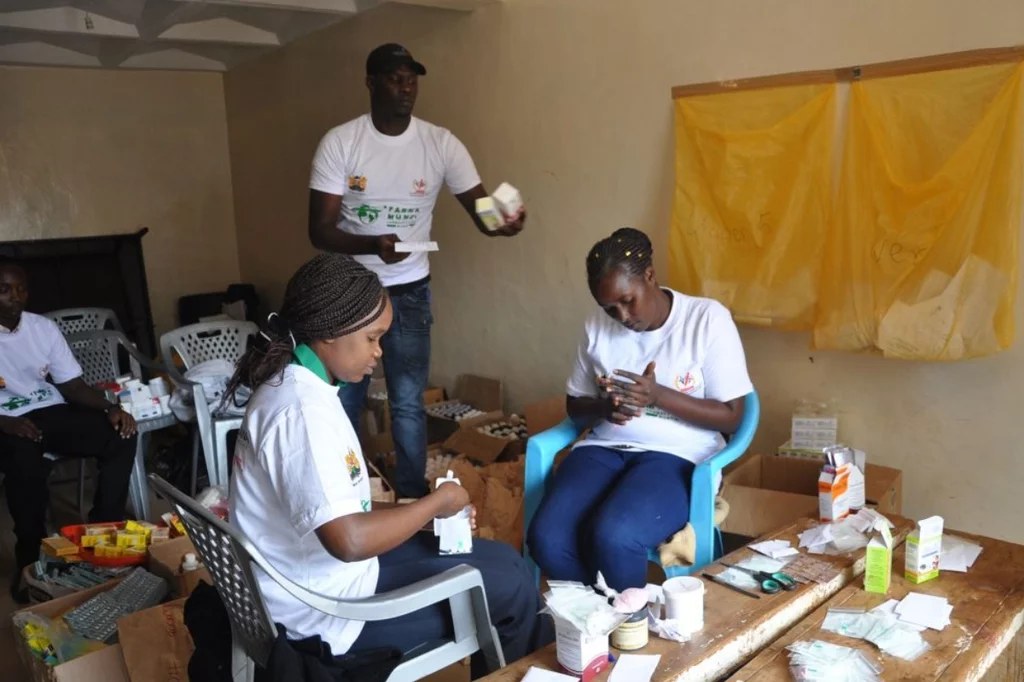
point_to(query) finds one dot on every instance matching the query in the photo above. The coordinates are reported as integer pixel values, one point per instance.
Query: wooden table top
(988, 612)
(736, 627)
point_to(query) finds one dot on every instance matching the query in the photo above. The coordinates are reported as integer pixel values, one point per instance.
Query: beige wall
(570, 101)
(90, 152)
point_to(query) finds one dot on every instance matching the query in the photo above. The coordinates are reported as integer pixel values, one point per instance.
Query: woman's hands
(455, 499)
(629, 394)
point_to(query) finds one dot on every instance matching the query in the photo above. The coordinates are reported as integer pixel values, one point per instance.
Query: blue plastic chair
(540, 459)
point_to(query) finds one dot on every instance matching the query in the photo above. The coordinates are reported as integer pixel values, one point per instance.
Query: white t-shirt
(390, 184)
(697, 351)
(298, 465)
(29, 354)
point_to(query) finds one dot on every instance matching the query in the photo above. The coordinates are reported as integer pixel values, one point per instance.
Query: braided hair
(329, 296)
(627, 249)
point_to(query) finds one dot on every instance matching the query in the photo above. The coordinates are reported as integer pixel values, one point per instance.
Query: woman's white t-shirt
(697, 352)
(297, 466)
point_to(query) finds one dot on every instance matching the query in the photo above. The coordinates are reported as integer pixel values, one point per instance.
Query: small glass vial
(632, 634)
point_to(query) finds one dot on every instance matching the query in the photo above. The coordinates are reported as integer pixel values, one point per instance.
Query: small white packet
(455, 533)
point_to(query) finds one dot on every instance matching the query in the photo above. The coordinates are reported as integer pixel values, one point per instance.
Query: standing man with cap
(374, 183)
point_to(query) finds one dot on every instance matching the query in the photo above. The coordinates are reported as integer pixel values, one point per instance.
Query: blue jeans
(406, 349)
(605, 508)
(512, 599)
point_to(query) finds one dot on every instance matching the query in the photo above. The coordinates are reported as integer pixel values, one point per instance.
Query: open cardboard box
(105, 665)
(165, 561)
(478, 392)
(484, 449)
(767, 492)
(156, 644)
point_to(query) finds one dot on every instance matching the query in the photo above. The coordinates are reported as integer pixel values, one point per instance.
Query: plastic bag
(752, 199)
(51, 640)
(921, 261)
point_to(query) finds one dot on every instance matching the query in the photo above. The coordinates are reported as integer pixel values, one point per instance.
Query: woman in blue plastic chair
(659, 377)
(300, 488)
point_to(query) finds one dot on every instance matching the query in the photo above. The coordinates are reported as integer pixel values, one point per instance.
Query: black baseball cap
(389, 58)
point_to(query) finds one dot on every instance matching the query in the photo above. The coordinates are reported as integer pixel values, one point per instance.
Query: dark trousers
(406, 347)
(68, 431)
(605, 509)
(512, 599)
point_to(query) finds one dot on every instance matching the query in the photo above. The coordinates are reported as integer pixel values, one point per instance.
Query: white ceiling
(205, 35)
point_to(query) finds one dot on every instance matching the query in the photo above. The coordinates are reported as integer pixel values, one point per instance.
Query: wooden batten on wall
(902, 67)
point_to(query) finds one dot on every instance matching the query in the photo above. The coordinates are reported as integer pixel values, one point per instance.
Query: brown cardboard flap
(156, 644)
(746, 471)
(544, 414)
(756, 511)
(433, 396)
(480, 447)
(480, 392)
(165, 561)
(106, 665)
(790, 474)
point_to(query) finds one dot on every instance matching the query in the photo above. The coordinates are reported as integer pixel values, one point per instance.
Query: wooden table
(736, 627)
(984, 641)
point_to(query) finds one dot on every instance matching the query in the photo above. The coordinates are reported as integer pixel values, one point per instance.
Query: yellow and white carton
(924, 550)
(878, 559)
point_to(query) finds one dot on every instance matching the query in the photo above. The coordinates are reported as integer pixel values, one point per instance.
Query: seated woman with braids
(300, 489)
(659, 376)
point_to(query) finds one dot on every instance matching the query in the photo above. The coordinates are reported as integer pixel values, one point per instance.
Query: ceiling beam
(67, 20)
(458, 5)
(322, 6)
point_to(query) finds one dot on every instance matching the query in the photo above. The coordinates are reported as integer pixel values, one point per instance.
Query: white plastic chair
(97, 353)
(230, 558)
(75, 320)
(197, 343)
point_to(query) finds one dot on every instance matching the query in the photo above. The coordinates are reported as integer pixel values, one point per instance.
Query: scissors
(770, 583)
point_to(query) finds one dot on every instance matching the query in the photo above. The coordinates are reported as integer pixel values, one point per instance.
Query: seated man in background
(66, 417)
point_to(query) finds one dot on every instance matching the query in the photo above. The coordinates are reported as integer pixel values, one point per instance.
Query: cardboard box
(105, 665)
(580, 655)
(767, 492)
(165, 561)
(924, 551)
(484, 449)
(155, 643)
(478, 392)
(878, 562)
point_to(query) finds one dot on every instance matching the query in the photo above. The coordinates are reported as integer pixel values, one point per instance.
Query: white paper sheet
(817, 536)
(538, 675)
(926, 610)
(776, 549)
(958, 554)
(634, 668)
(414, 247)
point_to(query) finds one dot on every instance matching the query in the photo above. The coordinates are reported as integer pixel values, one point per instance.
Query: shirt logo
(419, 188)
(357, 183)
(686, 383)
(352, 462)
(366, 505)
(3, 384)
(15, 403)
(367, 214)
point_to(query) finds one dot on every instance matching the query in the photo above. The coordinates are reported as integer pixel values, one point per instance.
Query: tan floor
(64, 511)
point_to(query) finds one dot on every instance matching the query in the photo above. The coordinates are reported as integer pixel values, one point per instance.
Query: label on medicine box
(834, 494)
(581, 655)
(878, 562)
(489, 213)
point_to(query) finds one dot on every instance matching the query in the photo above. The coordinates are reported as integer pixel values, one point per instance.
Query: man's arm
(78, 392)
(513, 224)
(324, 234)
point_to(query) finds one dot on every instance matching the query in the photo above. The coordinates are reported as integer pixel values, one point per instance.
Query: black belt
(401, 289)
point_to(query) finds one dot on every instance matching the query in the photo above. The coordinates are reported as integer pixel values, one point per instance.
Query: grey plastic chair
(97, 353)
(70, 321)
(76, 320)
(198, 343)
(231, 558)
